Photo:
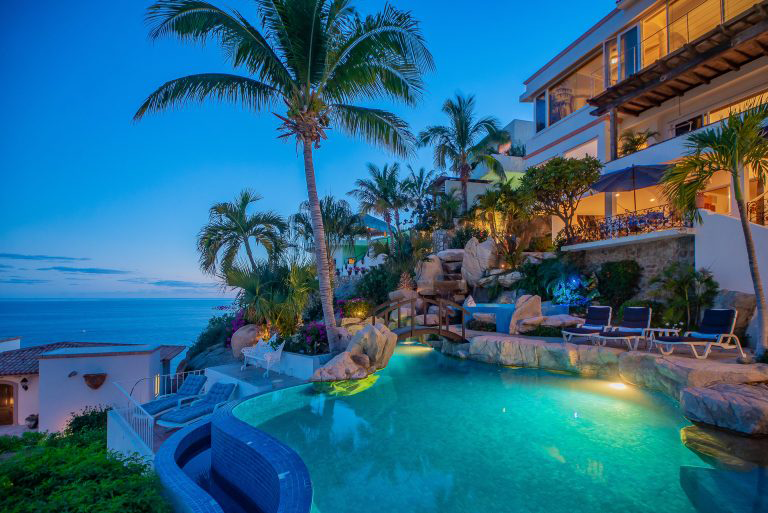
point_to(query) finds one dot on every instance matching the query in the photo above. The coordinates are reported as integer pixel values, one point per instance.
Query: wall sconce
(24, 384)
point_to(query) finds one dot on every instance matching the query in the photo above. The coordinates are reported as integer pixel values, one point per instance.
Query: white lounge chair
(598, 318)
(255, 353)
(716, 330)
(634, 327)
(272, 357)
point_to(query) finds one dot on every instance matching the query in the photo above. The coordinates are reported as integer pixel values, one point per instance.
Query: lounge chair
(634, 327)
(219, 394)
(254, 353)
(716, 330)
(188, 391)
(598, 317)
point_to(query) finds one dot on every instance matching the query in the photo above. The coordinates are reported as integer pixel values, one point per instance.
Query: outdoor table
(651, 334)
(502, 311)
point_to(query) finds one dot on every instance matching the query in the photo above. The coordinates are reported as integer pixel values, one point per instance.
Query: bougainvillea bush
(312, 338)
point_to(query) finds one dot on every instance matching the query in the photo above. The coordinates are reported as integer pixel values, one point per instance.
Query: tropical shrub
(541, 244)
(576, 290)
(618, 281)
(542, 278)
(632, 142)
(686, 293)
(545, 331)
(74, 471)
(217, 333)
(359, 307)
(465, 233)
(376, 284)
(312, 338)
(476, 325)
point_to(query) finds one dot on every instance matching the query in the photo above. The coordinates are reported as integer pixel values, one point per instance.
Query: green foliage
(541, 278)
(377, 283)
(657, 311)
(632, 142)
(556, 187)
(476, 325)
(217, 333)
(618, 281)
(312, 338)
(507, 213)
(446, 208)
(74, 471)
(359, 308)
(465, 233)
(545, 331)
(686, 293)
(340, 224)
(541, 244)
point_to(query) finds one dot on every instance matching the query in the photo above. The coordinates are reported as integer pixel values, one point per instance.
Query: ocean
(136, 321)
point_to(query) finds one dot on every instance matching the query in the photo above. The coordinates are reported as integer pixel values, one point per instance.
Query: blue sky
(95, 205)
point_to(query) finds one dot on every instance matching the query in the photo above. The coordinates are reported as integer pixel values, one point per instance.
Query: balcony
(697, 54)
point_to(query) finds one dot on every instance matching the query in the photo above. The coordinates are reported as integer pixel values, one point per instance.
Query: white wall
(61, 395)
(474, 189)
(720, 248)
(537, 148)
(26, 401)
(9, 344)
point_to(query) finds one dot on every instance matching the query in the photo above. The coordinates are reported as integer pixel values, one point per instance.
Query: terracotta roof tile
(24, 361)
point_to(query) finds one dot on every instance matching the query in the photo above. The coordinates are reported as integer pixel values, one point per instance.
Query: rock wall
(653, 256)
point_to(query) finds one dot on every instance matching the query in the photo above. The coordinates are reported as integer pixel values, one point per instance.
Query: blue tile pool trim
(183, 492)
(258, 466)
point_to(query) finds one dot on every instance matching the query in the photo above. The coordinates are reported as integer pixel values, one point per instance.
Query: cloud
(4, 267)
(84, 270)
(23, 281)
(17, 256)
(171, 283)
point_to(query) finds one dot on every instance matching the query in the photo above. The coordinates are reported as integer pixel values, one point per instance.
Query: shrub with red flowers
(358, 307)
(311, 339)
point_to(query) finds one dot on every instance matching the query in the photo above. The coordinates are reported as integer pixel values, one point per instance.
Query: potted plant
(32, 421)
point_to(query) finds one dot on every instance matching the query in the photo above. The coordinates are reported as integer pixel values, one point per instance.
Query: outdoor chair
(598, 318)
(255, 353)
(272, 357)
(188, 391)
(716, 330)
(634, 327)
(218, 394)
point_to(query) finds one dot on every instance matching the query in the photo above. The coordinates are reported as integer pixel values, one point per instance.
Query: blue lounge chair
(598, 318)
(219, 394)
(634, 327)
(188, 391)
(716, 330)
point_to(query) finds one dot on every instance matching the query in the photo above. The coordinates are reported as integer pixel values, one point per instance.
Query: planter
(31, 421)
(301, 366)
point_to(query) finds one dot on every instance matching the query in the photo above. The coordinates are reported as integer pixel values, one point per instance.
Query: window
(655, 36)
(611, 52)
(540, 111)
(689, 126)
(740, 106)
(589, 148)
(689, 19)
(629, 53)
(573, 91)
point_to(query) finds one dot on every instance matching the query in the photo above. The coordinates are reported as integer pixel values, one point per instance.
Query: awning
(630, 178)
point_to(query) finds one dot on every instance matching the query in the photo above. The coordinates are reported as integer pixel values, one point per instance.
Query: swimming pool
(434, 434)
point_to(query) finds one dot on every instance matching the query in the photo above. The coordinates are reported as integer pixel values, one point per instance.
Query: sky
(94, 205)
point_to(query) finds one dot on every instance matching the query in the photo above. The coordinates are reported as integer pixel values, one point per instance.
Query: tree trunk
(321, 255)
(250, 254)
(464, 176)
(762, 343)
(391, 238)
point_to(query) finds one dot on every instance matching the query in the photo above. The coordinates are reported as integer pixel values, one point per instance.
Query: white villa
(670, 67)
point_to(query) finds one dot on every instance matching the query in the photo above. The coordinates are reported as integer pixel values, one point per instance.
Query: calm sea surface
(177, 321)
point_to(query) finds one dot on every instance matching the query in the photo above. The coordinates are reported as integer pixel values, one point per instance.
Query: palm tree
(231, 227)
(377, 194)
(416, 186)
(314, 57)
(464, 142)
(446, 208)
(341, 225)
(735, 146)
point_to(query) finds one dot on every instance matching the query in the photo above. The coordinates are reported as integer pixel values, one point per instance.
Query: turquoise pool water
(435, 434)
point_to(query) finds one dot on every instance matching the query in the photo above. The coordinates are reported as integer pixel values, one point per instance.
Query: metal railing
(758, 211)
(654, 219)
(132, 394)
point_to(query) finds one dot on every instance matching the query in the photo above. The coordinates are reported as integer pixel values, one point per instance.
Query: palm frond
(376, 126)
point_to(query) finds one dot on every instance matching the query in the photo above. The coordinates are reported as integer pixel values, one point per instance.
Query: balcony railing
(655, 219)
(758, 211)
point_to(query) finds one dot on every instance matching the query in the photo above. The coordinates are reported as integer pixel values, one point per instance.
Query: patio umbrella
(630, 179)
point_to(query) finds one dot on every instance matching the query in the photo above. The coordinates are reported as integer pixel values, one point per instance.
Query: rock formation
(526, 307)
(742, 408)
(478, 258)
(368, 351)
(246, 336)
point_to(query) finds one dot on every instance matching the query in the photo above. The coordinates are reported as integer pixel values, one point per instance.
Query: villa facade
(665, 68)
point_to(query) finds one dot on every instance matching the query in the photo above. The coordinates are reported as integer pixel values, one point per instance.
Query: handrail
(137, 418)
(162, 384)
(443, 306)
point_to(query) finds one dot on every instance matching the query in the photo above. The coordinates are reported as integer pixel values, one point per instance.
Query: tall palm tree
(463, 143)
(314, 58)
(735, 146)
(231, 228)
(378, 194)
(341, 225)
(416, 186)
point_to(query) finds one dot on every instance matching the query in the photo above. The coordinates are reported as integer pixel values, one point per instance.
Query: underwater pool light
(617, 386)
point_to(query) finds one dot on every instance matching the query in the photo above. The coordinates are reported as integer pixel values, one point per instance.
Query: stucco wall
(26, 401)
(61, 395)
(720, 248)
(653, 256)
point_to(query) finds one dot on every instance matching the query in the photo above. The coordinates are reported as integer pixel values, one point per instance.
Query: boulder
(429, 270)
(343, 366)
(525, 307)
(507, 297)
(743, 303)
(402, 294)
(726, 449)
(478, 257)
(246, 336)
(741, 408)
(452, 267)
(211, 357)
(535, 257)
(375, 341)
(509, 279)
(451, 255)
(487, 281)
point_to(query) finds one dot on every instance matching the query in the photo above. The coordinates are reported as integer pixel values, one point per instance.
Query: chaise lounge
(188, 391)
(598, 318)
(716, 330)
(634, 326)
(219, 394)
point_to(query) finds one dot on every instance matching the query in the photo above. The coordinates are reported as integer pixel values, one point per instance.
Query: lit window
(573, 91)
